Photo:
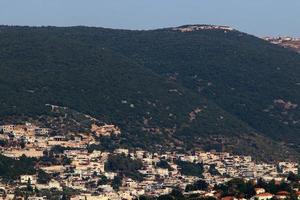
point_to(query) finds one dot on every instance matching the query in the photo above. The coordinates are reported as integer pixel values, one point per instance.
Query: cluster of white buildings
(86, 168)
(191, 28)
(31, 140)
(279, 40)
(286, 42)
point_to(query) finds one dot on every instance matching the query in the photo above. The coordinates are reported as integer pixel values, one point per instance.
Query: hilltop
(209, 88)
(287, 42)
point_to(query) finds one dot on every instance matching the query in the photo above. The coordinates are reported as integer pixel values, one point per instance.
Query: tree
(22, 144)
(198, 185)
(64, 197)
(43, 177)
(293, 177)
(145, 198)
(103, 180)
(3, 143)
(66, 161)
(163, 164)
(177, 194)
(237, 187)
(11, 169)
(212, 170)
(165, 197)
(190, 169)
(125, 165)
(116, 182)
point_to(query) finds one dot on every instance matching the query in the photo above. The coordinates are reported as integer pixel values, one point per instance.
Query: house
(100, 197)
(298, 195)
(2, 190)
(37, 198)
(259, 190)
(24, 179)
(41, 131)
(55, 184)
(262, 196)
(126, 195)
(122, 151)
(162, 172)
(110, 175)
(54, 169)
(88, 197)
(7, 128)
(106, 188)
(10, 196)
(78, 197)
(15, 153)
(105, 130)
(282, 195)
(229, 198)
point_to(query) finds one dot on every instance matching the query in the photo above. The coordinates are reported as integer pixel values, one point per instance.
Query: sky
(257, 17)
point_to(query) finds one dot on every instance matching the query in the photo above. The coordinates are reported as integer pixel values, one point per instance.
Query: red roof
(228, 198)
(264, 195)
(283, 193)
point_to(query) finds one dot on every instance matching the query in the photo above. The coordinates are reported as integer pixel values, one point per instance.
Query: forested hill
(165, 88)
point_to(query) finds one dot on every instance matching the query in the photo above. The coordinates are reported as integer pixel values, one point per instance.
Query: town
(190, 28)
(286, 42)
(62, 162)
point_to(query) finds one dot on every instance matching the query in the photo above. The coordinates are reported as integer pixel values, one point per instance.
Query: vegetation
(116, 182)
(198, 185)
(273, 187)
(150, 83)
(124, 165)
(106, 143)
(190, 169)
(213, 171)
(11, 169)
(50, 157)
(103, 180)
(3, 143)
(58, 195)
(237, 188)
(163, 164)
(43, 177)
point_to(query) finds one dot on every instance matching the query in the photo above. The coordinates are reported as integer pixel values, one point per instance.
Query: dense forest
(164, 88)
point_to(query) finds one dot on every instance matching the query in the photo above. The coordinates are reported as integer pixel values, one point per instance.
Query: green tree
(103, 180)
(116, 182)
(43, 177)
(125, 165)
(198, 185)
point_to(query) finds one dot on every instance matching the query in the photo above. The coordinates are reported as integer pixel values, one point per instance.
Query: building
(24, 179)
(262, 196)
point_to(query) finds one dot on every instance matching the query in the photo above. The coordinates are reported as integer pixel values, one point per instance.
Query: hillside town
(121, 173)
(286, 42)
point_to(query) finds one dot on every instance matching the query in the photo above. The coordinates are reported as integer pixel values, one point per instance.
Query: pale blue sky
(259, 17)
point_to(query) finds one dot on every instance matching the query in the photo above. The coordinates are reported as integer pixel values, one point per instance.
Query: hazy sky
(259, 17)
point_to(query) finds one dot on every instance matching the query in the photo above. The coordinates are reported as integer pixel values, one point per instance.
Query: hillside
(165, 88)
(255, 81)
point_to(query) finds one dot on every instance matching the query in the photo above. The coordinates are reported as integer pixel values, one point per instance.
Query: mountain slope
(256, 81)
(164, 88)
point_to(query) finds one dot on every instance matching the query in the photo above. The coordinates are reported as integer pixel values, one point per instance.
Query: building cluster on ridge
(191, 28)
(286, 42)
